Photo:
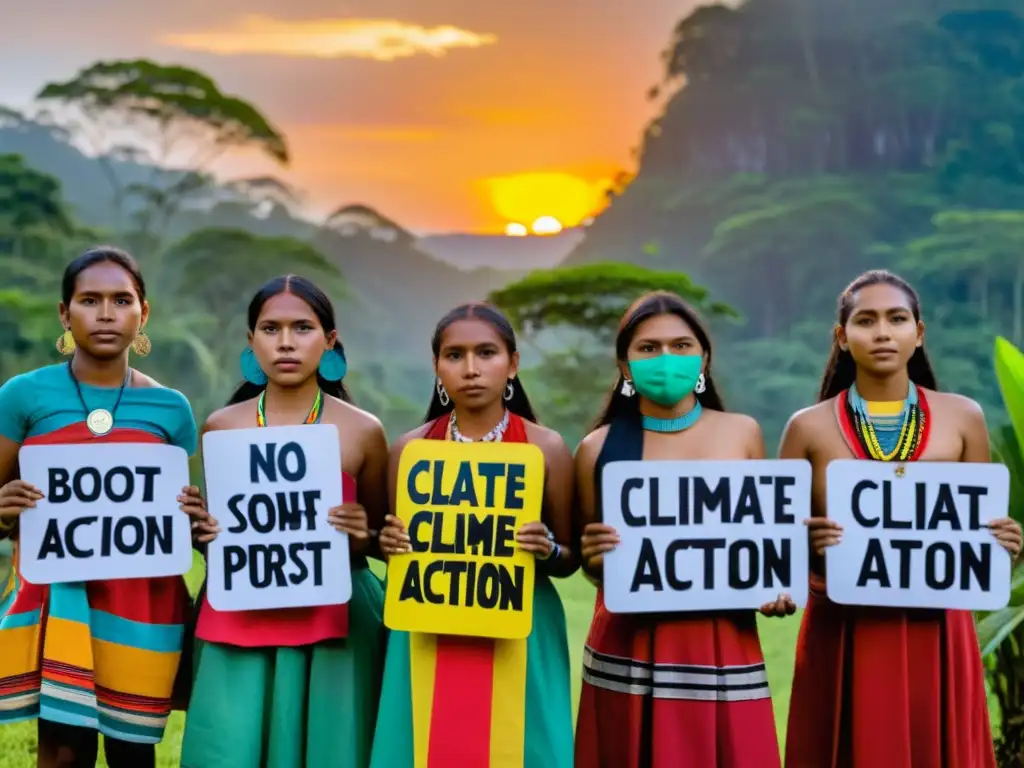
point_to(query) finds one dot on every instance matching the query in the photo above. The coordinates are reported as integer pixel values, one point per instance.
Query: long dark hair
(617, 405)
(98, 255)
(841, 370)
(519, 403)
(322, 307)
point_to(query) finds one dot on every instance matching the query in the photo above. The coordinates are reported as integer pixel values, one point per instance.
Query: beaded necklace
(677, 424)
(313, 417)
(887, 437)
(494, 436)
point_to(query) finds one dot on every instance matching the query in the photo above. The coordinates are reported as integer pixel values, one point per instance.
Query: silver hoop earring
(509, 391)
(442, 393)
(627, 388)
(701, 384)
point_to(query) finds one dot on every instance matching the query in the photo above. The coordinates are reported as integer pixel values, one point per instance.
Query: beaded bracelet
(556, 550)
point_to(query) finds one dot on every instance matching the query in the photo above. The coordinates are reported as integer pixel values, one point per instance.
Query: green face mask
(666, 379)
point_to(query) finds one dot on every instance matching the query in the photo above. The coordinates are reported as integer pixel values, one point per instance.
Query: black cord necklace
(99, 420)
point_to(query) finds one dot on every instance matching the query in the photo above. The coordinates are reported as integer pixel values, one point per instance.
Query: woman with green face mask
(683, 690)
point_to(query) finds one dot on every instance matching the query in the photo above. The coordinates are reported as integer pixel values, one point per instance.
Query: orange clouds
(376, 39)
(491, 112)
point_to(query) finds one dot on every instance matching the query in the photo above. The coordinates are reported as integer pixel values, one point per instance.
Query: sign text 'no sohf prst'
(270, 489)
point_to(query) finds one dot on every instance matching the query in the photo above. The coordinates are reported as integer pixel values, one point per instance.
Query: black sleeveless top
(624, 442)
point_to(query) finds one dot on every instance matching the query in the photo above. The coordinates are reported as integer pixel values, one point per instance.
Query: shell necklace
(494, 436)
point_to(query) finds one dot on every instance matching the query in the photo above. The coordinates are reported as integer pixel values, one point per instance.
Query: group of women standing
(330, 686)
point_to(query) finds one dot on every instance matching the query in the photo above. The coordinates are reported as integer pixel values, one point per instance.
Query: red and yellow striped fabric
(476, 685)
(485, 682)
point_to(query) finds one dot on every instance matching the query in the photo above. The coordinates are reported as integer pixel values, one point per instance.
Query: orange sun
(551, 201)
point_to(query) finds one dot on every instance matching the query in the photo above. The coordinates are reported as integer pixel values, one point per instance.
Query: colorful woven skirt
(102, 654)
(291, 707)
(526, 721)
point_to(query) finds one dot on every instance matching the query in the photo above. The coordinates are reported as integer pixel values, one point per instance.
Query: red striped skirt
(686, 692)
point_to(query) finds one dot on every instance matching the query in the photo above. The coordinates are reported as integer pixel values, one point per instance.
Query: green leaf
(1009, 365)
(997, 626)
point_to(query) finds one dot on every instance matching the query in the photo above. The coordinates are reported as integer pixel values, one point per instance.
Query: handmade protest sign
(913, 534)
(109, 511)
(270, 488)
(705, 535)
(462, 504)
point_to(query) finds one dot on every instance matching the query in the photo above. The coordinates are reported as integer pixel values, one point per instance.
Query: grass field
(778, 638)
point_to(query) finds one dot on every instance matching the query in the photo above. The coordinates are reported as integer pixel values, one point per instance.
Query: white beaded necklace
(494, 436)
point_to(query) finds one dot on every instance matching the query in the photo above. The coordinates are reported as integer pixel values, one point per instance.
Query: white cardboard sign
(270, 489)
(913, 534)
(109, 511)
(705, 535)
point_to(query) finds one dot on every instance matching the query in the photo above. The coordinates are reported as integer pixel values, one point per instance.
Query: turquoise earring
(251, 370)
(333, 365)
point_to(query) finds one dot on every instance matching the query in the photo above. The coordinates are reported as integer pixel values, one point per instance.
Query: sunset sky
(446, 115)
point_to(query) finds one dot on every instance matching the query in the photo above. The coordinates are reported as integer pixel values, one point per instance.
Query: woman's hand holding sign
(204, 526)
(1007, 532)
(827, 533)
(393, 538)
(351, 518)
(15, 497)
(824, 533)
(783, 606)
(536, 539)
(597, 540)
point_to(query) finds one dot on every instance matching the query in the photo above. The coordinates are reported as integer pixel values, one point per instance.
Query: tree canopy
(593, 297)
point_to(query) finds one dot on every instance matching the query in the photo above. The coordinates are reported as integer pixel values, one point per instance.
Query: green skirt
(549, 728)
(304, 707)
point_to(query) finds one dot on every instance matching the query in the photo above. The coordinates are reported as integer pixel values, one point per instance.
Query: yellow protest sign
(462, 504)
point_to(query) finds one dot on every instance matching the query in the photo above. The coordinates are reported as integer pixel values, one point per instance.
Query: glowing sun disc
(515, 229)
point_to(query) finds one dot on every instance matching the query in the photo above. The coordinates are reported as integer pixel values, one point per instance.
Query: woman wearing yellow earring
(66, 343)
(125, 636)
(141, 345)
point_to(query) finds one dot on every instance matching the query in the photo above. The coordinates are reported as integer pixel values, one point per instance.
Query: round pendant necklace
(99, 420)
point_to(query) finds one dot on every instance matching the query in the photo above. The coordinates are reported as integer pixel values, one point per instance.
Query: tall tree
(985, 250)
(35, 229)
(161, 115)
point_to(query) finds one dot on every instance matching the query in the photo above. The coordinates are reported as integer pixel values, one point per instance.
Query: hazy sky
(443, 114)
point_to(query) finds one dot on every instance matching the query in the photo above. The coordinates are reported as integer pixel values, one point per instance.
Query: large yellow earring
(142, 346)
(66, 343)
